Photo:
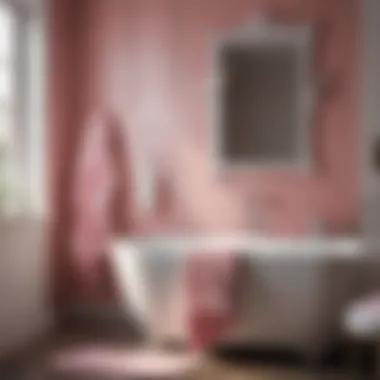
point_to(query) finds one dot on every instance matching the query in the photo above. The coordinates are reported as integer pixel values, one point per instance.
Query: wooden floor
(34, 364)
(230, 372)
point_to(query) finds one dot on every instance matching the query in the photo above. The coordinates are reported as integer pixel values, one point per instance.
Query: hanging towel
(211, 285)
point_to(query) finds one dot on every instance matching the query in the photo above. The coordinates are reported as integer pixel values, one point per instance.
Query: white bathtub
(294, 290)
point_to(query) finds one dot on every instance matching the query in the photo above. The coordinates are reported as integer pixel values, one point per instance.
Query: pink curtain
(100, 194)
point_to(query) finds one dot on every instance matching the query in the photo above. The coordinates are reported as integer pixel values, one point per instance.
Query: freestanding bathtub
(293, 294)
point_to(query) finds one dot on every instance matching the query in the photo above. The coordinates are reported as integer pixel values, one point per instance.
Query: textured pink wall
(150, 63)
(330, 190)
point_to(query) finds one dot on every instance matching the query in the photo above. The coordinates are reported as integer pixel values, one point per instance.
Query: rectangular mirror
(264, 97)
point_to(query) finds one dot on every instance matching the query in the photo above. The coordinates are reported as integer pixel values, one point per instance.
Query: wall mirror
(263, 96)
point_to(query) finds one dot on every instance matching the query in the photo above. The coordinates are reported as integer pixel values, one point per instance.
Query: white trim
(37, 77)
(258, 246)
(261, 33)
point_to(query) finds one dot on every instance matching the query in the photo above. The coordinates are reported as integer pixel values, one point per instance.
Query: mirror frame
(259, 33)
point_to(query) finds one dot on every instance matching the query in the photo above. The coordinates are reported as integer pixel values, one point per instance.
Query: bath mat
(123, 363)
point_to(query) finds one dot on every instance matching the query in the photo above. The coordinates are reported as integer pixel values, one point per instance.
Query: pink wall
(149, 62)
(153, 58)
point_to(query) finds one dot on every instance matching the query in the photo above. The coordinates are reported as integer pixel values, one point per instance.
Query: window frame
(27, 161)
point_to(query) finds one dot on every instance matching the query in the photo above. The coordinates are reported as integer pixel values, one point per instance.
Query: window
(21, 107)
(7, 102)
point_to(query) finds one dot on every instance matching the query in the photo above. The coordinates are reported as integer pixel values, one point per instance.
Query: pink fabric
(211, 280)
(93, 185)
